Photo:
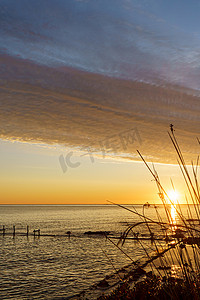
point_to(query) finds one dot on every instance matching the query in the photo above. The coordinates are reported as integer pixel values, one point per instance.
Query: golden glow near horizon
(31, 174)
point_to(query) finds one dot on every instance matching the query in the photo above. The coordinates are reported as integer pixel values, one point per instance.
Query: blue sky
(128, 39)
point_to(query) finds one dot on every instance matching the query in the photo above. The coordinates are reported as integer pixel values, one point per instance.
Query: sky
(83, 85)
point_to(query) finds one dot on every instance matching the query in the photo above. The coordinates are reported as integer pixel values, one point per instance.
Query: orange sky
(31, 174)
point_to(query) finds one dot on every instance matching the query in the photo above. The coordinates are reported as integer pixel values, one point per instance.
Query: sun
(173, 196)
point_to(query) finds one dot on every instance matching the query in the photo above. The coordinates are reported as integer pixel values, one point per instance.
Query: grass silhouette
(180, 248)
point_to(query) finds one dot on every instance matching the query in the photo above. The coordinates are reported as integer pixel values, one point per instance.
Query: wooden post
(34, 232)
(27, 230)
(4, 230)
(13, 230)
(69, 233)
(38, 232)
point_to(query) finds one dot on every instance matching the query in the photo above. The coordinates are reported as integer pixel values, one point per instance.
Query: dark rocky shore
(128, 276)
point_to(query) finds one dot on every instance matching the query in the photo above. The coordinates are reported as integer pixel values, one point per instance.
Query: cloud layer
(80, 109)
(77, 72)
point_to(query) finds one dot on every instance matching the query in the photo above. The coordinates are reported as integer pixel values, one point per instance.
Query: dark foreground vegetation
(156, 288)
(182, 238)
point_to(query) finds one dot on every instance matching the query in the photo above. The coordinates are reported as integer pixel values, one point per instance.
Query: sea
(56, 266)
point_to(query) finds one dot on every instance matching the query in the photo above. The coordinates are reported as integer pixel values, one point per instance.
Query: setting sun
(173, 196)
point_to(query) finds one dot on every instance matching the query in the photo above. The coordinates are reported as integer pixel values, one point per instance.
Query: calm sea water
(58, 267)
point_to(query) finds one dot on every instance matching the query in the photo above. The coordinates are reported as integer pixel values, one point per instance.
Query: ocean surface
(56, 267)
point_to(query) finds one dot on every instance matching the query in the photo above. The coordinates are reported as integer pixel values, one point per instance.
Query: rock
(97, 232)
(103, 283)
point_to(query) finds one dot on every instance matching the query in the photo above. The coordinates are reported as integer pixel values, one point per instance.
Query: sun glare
(173, 196)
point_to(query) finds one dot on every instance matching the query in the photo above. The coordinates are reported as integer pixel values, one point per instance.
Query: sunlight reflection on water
(173, 215)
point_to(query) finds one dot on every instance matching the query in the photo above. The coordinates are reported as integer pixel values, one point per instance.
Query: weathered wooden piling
(69, 234)
(26, 233)
(36, 231)
(13, 230)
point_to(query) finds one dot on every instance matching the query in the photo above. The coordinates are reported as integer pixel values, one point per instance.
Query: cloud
(81, 109)
(77, 72)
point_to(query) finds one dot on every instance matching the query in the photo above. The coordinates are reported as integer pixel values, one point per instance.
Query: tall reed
(177, 268)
